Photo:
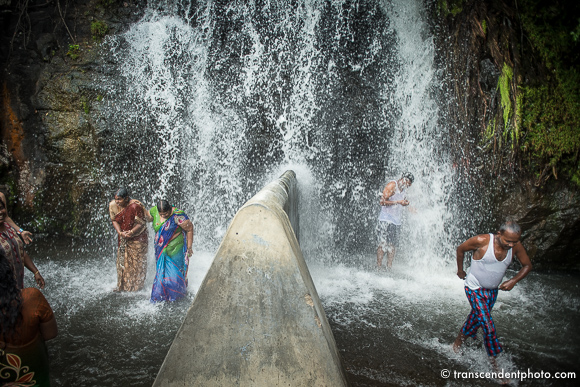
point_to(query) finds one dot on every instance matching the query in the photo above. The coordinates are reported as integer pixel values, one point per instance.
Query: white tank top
(393, 214)
(487, 272)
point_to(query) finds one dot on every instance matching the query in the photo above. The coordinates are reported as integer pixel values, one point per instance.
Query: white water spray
(418, 143)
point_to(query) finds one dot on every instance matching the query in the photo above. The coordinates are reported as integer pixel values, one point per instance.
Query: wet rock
(52, 98)
(550, 222)
(475, 43)
(488, 75)
(47, 46)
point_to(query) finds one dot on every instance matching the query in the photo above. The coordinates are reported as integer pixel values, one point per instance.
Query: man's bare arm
(520, 252)
(387, 193)
(471, 244)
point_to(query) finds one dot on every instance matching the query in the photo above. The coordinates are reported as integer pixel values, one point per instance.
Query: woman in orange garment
(128, 218)
(26, 322)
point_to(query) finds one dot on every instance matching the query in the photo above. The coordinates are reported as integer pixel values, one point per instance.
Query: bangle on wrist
(20, 231)
(37, 271)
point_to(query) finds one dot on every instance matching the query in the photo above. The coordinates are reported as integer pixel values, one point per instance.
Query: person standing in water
(392, 201)
(12, 246)
(173, 249)
(128, 218)
(26, 323)
(492, 254)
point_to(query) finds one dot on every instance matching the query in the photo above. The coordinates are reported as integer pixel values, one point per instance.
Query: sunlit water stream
(212, 100)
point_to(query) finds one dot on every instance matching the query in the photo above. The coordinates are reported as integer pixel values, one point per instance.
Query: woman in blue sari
(173, 239)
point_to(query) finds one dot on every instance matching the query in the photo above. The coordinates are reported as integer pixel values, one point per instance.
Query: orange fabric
(35, 311)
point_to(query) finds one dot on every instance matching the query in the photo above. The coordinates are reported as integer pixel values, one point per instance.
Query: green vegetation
(74, 51)
(551, 102)
(105, 4)
(98, 30)
(551, 119)
(576, 33)
(503, 85)
(537, 116)
(85, 106)
(449, 7)
(490, 131)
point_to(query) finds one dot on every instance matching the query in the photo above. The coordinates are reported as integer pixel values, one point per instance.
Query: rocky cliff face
(52, 77)
(489, 62)
(53, 72)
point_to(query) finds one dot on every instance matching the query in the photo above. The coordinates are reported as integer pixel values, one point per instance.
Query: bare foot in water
(459, 340)
(496, 369)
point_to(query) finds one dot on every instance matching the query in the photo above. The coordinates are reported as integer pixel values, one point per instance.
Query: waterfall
(215, 99)
(419, 140)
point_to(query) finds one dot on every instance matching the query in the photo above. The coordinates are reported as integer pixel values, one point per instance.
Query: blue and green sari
(170, 282)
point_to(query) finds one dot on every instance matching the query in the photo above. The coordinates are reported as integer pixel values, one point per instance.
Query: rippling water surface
(391, 328)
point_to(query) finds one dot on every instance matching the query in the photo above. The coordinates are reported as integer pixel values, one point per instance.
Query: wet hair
(511, 226)
(122, 193)
(408, 175)
(163, 206)
(10, 299)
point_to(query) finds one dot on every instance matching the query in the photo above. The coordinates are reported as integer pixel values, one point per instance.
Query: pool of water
(106, 338)
(397, 328)
(392, 329)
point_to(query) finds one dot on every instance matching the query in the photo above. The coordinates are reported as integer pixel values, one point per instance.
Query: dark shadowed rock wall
(51, 88)
(479, 43)
(52, 77)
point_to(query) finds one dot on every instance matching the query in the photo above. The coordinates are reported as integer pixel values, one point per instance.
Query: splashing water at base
(106, 338)
(391, 328)
(397, 329)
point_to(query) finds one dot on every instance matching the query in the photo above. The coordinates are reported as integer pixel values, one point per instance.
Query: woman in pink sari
(128, 217)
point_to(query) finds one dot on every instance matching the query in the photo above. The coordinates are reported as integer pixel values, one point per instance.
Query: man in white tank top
(492, 255)
(392, 202)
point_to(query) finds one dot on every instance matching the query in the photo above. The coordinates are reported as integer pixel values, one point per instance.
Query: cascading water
(419, 140)
(219, 105)
(213, 100)
(232, 98)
